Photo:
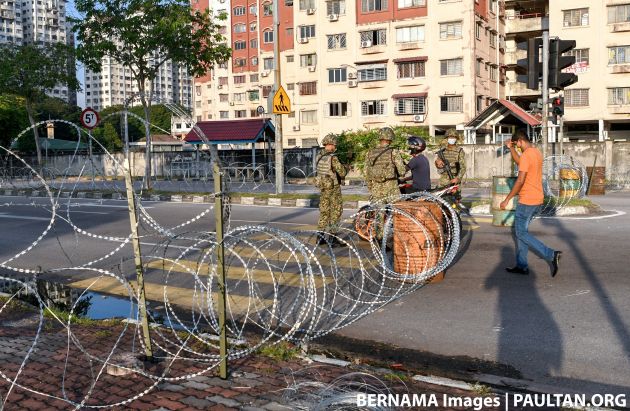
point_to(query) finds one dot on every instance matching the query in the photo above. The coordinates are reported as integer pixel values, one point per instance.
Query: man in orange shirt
(529, 189)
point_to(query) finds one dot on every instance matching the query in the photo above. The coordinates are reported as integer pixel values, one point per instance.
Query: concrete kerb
(481, 210)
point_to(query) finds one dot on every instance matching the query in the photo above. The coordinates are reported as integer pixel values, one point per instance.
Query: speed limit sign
(89, 118)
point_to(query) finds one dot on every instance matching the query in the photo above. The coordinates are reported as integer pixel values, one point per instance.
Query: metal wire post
(218, 215)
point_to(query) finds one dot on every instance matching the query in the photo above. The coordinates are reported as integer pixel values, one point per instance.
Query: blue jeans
(524, 240)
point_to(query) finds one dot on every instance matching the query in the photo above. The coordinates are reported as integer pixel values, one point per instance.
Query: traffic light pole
(545, 92)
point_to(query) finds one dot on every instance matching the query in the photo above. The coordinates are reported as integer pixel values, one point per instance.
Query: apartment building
(597, 106)
(37, 22)
(349, 64)
(115, 84)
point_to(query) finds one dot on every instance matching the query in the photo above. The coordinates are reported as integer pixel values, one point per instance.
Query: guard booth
(230, 136)
(498, 122)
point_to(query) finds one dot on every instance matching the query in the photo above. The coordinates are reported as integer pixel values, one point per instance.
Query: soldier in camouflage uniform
(454, 156)
(330, 173)
(383, 167)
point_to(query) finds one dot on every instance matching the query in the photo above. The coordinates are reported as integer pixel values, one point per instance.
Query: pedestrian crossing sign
(281, 102)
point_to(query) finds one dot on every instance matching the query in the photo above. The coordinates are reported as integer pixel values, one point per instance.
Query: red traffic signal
(557, 106)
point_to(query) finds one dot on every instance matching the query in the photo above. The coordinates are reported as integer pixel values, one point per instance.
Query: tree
(13, 118)
(143, 35)
(108, 137)
(30, 71)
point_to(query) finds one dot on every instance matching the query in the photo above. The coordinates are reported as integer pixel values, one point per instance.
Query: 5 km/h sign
(89, 118)
(281, 102)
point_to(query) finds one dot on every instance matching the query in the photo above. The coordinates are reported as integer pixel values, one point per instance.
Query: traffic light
(532, 65)
(557, 79)
(557, 106)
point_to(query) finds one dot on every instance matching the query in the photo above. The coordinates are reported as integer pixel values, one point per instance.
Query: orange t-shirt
(532, 191)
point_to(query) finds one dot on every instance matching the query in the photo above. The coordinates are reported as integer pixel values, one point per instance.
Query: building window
(223, 98)
(308, 88)
(252, 26)
(451, 30)
(452, 104)
(307, 32)
(223, 81)
(478, 64)
(240, 28)
(289, 31)
(253, 43)
(493, 39)
(619, 14)
(478, 31)
(254, 61)
(335, 7)
(239, 79)
(290, 86)
(339, 109)
(576, 97)
(266, 91)
(373, 108)
(239, 97)
(290, 58)
(240, 62)
(575, 17)
(451, 67)
(410, 69)
(240, 45)
(479, 103)
(291, 142)
(253, 95)
(416, 105)
(239, 11)
(403, 4)
(224, 114)
(618, 95)
(373, 73)
(619, 55)
(240, 113)
(268, 36)
(268, 9)
(581, 55)
(309, 116)
(253, 10)
(268, 63)
(368, 6)
(373, 38)
(494, 70)
(307, 4)
(253, 78)
(337, 75)
(336, 41)
(308, 60)
(410, 34)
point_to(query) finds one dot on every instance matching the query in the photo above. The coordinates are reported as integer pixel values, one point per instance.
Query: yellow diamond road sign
(281, 102)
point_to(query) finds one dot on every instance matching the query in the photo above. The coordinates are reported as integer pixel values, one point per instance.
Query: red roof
(520, 113)
(225, 131)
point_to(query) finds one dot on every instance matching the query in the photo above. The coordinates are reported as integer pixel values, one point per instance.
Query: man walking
(529, 188)
(330, 173)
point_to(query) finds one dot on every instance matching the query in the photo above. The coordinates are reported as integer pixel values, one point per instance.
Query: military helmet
(329, 139)
(451, 132)
(386, 133)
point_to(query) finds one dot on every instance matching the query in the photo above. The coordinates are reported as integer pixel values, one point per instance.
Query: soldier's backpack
(380, 167)
(326, 176)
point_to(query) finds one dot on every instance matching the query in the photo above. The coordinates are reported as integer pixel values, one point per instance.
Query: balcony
(619, 109)
(378, 48)
(513, 55)
(523, 23)
(619, 69)
(519, 89)
(619, 27)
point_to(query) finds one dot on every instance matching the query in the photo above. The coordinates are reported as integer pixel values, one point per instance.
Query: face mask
(452, 141)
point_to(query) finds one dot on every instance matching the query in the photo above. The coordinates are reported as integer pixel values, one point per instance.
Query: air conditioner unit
(333, 17)
(366, 43)
(303, 40)
(219, 86)
(352, 76)
(418, 118)
(264, 74)
(310, 11)
(231, 103)
(352, 83)
(312, 68)
(296, 128)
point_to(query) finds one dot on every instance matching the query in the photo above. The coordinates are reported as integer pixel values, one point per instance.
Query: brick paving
(69, 369)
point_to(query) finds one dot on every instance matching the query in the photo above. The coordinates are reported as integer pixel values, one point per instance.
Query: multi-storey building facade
(597, 106)
(349, 64)
(115, 85)
(37, 22)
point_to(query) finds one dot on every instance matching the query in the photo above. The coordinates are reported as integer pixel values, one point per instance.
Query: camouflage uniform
(456, 158)
(384, 166)
(330, 201)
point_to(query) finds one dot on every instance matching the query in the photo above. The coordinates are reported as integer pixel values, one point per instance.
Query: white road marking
(579, 292)
(23, 217)
(267, 222)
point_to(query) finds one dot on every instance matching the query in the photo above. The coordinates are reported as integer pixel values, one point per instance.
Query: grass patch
(481, 389)
(103, 334)
(396, 376)
(64, 316)
(574, 202)
(282, 351)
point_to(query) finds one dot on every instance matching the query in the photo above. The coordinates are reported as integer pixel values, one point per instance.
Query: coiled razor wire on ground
(564, 179)
(281, 285)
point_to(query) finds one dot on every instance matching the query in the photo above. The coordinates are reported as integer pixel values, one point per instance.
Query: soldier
(383, 167)
(330, 173)
(451, 158)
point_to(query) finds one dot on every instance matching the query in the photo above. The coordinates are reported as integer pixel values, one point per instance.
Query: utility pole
(277, 84)
(545, 86)
(218, 215)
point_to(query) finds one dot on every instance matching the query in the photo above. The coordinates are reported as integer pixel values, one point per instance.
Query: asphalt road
(572, 331)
